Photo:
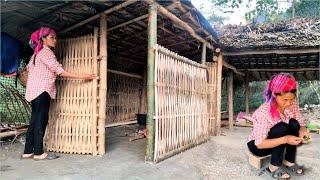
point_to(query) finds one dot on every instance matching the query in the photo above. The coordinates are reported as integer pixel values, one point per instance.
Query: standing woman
(43, 68)
(278, 127)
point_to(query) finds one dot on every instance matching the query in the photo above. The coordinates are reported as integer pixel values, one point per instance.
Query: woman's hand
(293, 140)
(67, 74)
(88, 76)
(304, 134)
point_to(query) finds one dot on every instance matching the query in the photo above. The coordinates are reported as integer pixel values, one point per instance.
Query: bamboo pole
(219, 82)
(230, 100)
(102, 84)
(247, 91)
(203, 55)
(152, 40)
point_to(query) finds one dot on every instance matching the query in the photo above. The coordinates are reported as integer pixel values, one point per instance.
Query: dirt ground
(222, 157)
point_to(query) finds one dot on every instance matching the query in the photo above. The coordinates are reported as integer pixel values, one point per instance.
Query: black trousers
(286, 150)
(38, 123)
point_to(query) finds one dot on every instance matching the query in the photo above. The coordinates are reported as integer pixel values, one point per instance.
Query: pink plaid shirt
(263, 122)
(42, 74)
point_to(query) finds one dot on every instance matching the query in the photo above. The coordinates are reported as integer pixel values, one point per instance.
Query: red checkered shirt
(263, 122)
(42, 74)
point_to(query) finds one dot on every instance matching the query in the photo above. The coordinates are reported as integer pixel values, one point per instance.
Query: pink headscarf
(35, 40)
(283, 82)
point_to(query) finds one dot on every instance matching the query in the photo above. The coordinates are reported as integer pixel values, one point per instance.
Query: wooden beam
(247, 92)
(182, 24)
(125, 74)
(281, 70)
(108, 11)
(152, 41)
(219, 86)
(229, 66)
(203, 54)
(230, 100)
(274, 51)
(128, 22)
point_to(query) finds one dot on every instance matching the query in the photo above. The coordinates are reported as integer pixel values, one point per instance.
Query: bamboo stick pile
(72, 126)
(180, 103)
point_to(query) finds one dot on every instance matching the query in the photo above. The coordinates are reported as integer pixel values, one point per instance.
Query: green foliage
(268, 10)
(304, 8)
(308, 93)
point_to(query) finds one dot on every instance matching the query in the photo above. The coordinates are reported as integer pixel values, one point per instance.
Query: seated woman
(278, 127)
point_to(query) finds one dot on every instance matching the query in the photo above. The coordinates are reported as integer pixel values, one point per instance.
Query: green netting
(14, 109)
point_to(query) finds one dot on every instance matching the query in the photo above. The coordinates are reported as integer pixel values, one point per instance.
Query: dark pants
(279, 130)
(38, 123)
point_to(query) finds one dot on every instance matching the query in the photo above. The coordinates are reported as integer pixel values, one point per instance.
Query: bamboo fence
(181, 119)
(123, 98)
(73, 122)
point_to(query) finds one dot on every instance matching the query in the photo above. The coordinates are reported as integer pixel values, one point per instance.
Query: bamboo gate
(73, 125)
(181, 118)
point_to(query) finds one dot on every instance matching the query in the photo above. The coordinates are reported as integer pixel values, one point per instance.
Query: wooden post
(247, 91)
(230, 99)
(95, 92)
(152, 41)
(219, 82)
(203, 55)
(102, 84)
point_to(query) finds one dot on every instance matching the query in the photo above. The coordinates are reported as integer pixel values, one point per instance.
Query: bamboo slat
(72, 126)
(181, 118)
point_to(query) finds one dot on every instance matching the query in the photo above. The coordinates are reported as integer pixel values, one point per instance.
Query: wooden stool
(256, 161)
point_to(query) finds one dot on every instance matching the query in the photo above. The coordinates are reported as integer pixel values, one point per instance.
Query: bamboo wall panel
(123, 98)
(180, 103)
(212, 71)
(72, 124)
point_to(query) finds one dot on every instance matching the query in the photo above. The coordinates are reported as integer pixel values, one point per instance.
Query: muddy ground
(222, 157)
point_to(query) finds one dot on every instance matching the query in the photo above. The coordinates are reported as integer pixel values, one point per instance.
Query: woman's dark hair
(34, 58)
(293, 91)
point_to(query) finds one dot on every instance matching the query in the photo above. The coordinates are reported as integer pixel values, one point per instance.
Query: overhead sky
(238, 16)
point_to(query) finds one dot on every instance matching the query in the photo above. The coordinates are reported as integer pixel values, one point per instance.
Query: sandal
(49, 156)
(294, 168)
(278, 173)
(26, 156)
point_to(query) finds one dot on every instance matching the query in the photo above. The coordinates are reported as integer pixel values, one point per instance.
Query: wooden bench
(256, 161)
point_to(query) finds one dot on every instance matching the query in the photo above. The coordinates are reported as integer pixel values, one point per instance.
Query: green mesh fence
(14, 109)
